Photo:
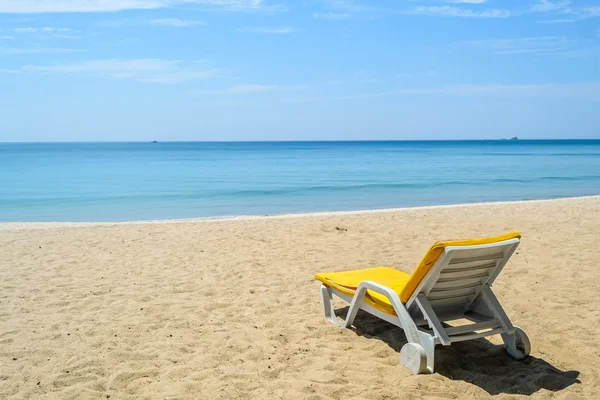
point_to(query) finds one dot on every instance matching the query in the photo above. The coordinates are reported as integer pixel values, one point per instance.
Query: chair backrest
(460, 273)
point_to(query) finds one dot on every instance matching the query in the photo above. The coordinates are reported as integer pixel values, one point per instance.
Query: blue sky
(80, 70)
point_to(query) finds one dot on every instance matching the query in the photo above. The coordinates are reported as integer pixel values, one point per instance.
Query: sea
(41, 182)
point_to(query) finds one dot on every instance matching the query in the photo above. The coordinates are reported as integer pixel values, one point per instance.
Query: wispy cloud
(450, 11)
(349, 9)
(37, 50)
(533, 45)
(564, 8)
(571, 14)
(350, 6)
(175, 22)
(143, 70)
(45, 29)
(239, 89)
(77, 6)
(138, 22)
(251, 88)
(591, 11)
(268, 29)
(556, 21)
(590, 89)
(539, 46)
(48, 32)
(331, 16)
(466, 1)
(6, 37)
(547, 5)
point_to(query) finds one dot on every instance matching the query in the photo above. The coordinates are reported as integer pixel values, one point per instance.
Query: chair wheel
(521, 347)
(523, 343)
(413, 357)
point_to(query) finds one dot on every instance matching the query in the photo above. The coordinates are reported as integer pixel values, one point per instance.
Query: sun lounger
(452, 282)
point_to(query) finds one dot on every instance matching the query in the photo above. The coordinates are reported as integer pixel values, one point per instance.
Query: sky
(143, 70)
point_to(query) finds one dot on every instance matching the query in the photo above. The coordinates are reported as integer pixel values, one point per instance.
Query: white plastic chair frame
(458, 286)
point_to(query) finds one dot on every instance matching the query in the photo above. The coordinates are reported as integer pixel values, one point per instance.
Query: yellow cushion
(347, 283)
(401, 283)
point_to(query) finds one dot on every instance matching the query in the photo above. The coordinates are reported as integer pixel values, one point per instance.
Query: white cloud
(591, 11)
(562, 7)
(449, 11)
(331, 16)
(174, 22)
(349, 6)
(539, 45)
(466, 1)
(239, 89)
(547, 5)
(556, 90)
(45, 29)
(560, 89)
(432, 73)
(25, 30)
(143, 70)
(268, 29)
(251, 88)
(556, 21)
(49, 6)
(57, 6)
(36, 50)
(6, 37)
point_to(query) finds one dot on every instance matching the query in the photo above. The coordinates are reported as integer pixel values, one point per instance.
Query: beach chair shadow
(478, 362)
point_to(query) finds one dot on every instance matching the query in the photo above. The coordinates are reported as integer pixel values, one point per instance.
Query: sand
(229, 309)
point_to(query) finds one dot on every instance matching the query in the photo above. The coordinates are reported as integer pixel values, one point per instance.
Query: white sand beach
(228, 309)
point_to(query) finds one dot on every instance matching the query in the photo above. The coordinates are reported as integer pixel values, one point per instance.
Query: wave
(225, 194)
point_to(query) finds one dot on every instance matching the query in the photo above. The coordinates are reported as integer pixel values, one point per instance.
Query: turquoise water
(141, 181)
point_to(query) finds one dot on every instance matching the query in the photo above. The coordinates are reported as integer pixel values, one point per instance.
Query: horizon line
(298, 141)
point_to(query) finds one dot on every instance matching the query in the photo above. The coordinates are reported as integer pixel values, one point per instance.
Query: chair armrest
(406, 320)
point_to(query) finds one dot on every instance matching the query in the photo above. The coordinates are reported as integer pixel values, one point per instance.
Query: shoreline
(9, 226)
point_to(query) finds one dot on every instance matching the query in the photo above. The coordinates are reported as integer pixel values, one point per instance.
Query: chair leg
(329, 313)
(355, 305)
(327, 303)
(428, 343)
